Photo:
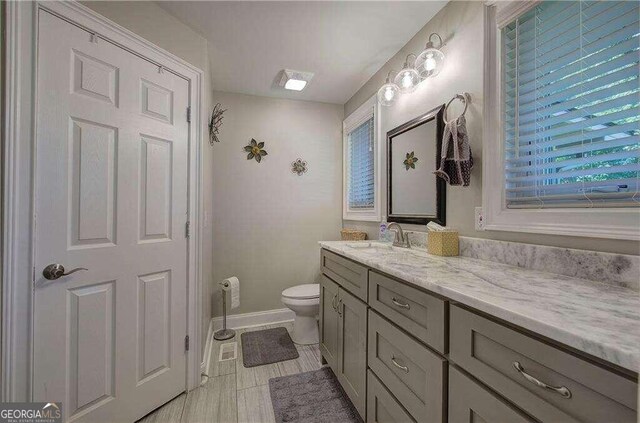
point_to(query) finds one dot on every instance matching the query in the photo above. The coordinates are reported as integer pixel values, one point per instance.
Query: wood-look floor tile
(171, 412)
(305, 363)
(216, 401)
(254, 405)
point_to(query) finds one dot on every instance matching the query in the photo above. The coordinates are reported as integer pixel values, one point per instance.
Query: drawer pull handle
(399, 304)
(333, 302)
(339, 308)
(562, 390)
(399, 366)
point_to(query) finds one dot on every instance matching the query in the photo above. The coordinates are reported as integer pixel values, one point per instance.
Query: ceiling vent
(295, 80)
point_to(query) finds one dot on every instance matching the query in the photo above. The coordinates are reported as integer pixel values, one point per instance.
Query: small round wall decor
(410, 161)
(255, 150)
(299, 167)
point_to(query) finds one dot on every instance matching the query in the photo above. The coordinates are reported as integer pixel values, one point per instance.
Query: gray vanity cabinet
(348, 274)
(343, 339)
(421, 314)
(329, 321)
(387, 342)
(548, 383)
(471, 403)
(412, 372)
(352, 349)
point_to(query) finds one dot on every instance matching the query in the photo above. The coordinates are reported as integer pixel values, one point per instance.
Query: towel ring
(465, 98)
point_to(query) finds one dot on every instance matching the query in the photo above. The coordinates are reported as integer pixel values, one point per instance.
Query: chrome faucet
(400, 240)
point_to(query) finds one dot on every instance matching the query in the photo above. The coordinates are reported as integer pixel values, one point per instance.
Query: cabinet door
(469, 402)
(329, 322)
(352, 349)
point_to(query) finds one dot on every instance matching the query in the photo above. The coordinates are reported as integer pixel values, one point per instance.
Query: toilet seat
(302, 292)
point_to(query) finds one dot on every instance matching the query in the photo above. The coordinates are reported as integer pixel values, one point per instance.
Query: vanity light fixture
(295, 80)
(408, 78)
(427, 64)
(430, 62)
(389, 92)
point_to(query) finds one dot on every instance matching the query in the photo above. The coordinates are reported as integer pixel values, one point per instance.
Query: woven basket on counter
(353, 235)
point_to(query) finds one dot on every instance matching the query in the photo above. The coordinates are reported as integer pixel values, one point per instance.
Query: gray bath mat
(267, 346)
(311, 397)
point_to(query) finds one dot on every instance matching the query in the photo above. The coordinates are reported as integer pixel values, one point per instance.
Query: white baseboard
(206, 359)
(268, 317)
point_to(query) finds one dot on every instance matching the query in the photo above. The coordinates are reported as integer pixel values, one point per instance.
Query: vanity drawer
(469, 402)
(491, 352)
(351, 276)
(382, 407)
(413, 373)
(421, 314)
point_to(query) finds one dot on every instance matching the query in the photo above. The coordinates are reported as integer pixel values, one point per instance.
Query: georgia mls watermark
(31, 412)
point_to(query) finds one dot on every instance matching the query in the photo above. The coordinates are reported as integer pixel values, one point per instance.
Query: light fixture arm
(389, 75)
(430, 43)
(406, 61)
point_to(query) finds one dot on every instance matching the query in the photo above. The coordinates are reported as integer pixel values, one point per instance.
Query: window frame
(613, 223)
(355, 119)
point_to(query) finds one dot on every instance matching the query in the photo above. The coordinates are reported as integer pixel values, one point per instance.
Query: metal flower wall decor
(255, 150)
(299, 167)
(410, 161)
(215, 122)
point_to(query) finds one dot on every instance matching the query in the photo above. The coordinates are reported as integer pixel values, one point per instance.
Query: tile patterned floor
(233, 393)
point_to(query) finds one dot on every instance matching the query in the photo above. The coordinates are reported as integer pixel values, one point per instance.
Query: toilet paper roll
(232, 284)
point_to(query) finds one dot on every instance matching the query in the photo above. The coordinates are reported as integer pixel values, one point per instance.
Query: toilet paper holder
(224, 333)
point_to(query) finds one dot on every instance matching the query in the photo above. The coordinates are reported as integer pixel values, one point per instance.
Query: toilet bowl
(304, 301)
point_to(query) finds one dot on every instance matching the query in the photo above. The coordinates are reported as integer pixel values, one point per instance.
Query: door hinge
(187, 229)
(189, 114)
(186, 343)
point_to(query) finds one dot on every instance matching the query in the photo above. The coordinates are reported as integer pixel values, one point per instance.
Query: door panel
(93, 184)
(329, 322)
(155, 189)
(154, 348)
(91, 345)
(111, 196)
(352, 349)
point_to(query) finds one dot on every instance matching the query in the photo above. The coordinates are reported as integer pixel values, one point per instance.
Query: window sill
(621, 224)
(361, 217)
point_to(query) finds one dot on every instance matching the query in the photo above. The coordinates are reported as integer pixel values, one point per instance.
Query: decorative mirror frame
(441, 185)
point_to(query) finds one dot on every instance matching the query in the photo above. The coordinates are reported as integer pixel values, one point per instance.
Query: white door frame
(18, 222)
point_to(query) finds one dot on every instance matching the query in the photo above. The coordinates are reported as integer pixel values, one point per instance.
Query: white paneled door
(111, 197)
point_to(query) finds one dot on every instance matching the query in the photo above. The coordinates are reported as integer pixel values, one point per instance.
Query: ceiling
(343, 43)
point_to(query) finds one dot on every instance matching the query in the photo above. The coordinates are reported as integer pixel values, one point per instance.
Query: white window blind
(361, 177)
(571, 94)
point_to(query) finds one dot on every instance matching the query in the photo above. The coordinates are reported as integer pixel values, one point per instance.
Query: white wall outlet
(479, 219)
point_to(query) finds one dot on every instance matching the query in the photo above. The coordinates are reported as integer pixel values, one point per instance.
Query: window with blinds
(361, 177)
(571, 98)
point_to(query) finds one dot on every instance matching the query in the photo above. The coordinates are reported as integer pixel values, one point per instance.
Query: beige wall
(267, 220)
(461, 26)
(157, 26)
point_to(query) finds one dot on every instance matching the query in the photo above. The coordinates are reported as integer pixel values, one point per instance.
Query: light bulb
(389, 94)
(406, 80)
(430, 63)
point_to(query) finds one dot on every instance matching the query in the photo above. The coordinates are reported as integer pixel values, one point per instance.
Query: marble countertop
(598, 319)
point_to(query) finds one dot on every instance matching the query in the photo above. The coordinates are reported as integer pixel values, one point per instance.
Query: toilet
(304, 301)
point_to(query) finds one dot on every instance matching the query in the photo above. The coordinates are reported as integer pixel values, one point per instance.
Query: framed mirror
(414, 194)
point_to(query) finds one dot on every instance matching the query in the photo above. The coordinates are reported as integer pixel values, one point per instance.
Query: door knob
(55, 271)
